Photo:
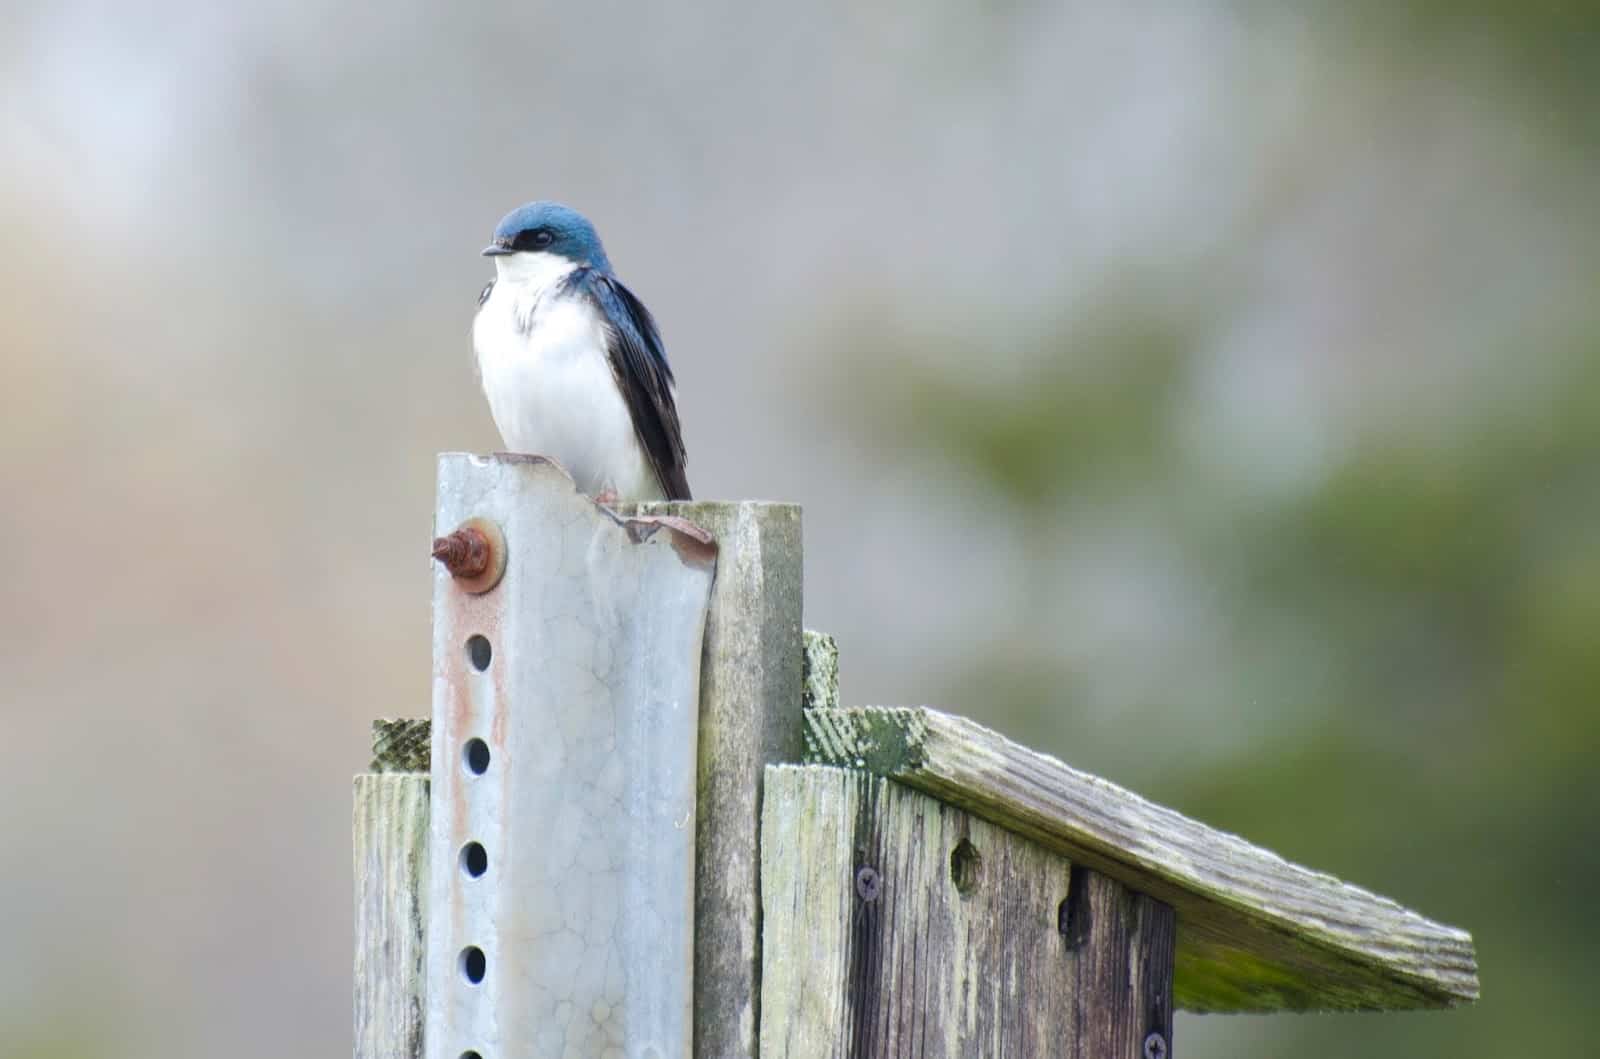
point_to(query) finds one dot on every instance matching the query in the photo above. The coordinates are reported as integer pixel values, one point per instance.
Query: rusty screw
(1155, 1047)
(475, 554)
(465, 553)
(868, 884)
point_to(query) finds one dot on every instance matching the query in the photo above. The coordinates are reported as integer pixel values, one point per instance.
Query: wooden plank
(820, 672)
(1255, 932)
(1125, 943)
(390, 830)
(900, 926)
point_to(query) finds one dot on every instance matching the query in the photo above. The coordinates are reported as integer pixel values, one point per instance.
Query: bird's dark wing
(643, 375)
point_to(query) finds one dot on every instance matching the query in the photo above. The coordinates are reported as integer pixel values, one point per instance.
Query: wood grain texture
(750, 677)
(1255, 932)
(391, 862)
(820, 671)
(900, 926)
(1123, 984)
(401, 744)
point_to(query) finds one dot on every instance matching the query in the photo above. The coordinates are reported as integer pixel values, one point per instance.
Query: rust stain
(694, 545)
(459, 704)
(470, 706)
(494, 629)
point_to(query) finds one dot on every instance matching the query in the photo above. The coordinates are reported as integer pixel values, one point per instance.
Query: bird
(572, 363)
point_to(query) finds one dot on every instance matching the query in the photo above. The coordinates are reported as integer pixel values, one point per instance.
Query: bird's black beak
(497, 250)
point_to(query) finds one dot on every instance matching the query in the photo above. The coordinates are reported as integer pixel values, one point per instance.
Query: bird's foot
(608, 497)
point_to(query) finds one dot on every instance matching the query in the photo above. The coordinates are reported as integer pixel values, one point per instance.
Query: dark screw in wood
(869, 884)
(1155, 1047)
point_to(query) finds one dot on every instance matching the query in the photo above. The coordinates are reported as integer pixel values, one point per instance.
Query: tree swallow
(571, 361)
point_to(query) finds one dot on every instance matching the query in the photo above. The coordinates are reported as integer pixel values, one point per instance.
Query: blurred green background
(1208, 394)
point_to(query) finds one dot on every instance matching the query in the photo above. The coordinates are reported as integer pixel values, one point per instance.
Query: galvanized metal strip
(565, 703)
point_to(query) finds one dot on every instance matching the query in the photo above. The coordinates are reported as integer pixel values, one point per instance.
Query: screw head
(475, 554)
(465, 553)
(1155, 1047)
(869, 884)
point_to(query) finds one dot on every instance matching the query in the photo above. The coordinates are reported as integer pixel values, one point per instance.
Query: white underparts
(542, 358)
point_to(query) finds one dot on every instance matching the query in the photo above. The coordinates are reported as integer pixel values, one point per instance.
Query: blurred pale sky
(233, 334)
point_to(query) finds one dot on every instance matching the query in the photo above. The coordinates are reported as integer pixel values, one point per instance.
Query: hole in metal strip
(474, 859)
(474, 965)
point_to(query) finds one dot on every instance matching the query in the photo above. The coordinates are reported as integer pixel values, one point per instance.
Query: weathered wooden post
(391, 861)
(866, 882)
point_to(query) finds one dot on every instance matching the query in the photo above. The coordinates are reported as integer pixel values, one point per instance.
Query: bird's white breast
(542, 357)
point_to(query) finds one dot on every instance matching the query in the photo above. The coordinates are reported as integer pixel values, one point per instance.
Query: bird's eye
(537, 239)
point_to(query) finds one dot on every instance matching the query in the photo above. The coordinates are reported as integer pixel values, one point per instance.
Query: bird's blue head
(549, 228)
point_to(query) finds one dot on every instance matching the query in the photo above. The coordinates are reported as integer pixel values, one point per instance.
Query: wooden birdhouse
(639, 824)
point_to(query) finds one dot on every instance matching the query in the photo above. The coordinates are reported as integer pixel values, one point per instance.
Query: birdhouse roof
(1255, 932)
